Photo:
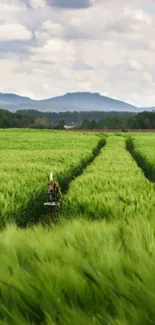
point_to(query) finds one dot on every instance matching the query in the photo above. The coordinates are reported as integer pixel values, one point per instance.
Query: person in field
(54, 192)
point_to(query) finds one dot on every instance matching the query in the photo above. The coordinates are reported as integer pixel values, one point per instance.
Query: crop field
(26, 160)
(111, 187)
(96, 265)
(143, 151)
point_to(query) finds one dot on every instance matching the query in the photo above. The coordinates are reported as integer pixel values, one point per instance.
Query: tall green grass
(143, 151)
(111, 187)
(26, 160)
(82, 272)
(78, 273)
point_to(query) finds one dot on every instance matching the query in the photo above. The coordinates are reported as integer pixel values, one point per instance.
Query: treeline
(144, 120)
(83, 120)
(73, 117)
(14, 120)
(26, 120)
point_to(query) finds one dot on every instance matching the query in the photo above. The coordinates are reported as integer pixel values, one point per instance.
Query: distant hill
(80, 101)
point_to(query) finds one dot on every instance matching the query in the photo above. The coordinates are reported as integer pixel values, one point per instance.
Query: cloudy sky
(50, 47)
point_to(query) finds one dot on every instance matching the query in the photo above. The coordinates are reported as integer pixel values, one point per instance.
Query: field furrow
(25, 165)
(81, 272)
(112, 187)
(143, 151)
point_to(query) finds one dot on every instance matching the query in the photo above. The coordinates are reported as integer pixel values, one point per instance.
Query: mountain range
(79, 101)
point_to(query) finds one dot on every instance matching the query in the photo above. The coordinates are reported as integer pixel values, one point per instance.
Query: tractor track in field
(141, 162)
(78, 170)
(41, 214)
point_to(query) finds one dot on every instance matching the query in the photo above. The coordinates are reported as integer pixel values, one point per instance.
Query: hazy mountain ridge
(77, 101)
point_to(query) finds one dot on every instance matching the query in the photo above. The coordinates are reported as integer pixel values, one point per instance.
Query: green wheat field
(94, 264)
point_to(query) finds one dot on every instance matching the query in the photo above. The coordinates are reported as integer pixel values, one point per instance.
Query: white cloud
(50, 29)
(37, 3)
(135, 65)
(9, 10)
(56, 51)
(106, 48)
(11, 7)
(10, 32)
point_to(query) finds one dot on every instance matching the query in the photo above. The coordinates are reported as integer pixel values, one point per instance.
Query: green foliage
(121, 120)
(15, 120)
(142, 149)
(78, 273)
(26, 160)
(145, 120)
(85, 120)
(111, 187)
(98, 271)
(83, 117)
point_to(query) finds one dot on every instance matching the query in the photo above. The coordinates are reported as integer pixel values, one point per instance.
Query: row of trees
(14, 120)
(83, 120)
(144, 120)
(22, 120)
(74, 118)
